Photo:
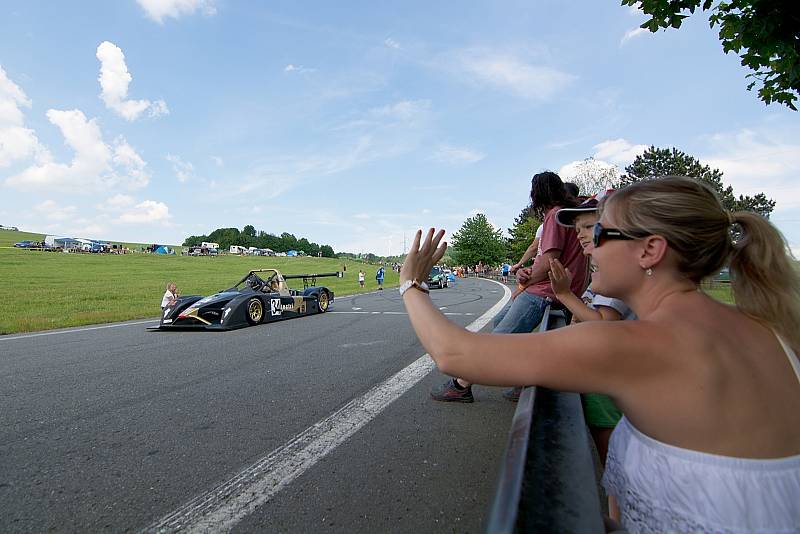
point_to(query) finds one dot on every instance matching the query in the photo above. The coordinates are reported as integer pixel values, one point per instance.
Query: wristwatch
(408, 284)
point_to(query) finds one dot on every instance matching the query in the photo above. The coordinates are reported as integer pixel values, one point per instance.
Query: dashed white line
(222, 507)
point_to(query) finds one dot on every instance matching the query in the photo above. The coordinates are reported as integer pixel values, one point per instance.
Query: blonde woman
(710, 440)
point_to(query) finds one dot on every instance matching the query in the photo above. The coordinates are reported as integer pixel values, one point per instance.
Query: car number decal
(275, 306)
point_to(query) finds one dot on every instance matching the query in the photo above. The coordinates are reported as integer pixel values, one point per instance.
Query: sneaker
(448, 392)
(513, 394)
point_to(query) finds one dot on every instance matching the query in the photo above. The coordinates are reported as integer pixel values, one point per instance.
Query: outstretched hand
(421, 259)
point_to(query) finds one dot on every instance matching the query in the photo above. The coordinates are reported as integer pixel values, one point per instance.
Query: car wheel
(255, 311)
(323, 301)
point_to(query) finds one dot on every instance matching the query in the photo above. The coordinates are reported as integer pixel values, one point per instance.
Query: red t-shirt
(565, 240)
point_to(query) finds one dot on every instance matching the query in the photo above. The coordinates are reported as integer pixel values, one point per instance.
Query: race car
(262, 296)
(438, 278)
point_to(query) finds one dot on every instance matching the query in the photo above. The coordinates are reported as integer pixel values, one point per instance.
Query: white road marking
(356, 309)
(38, 334)
(443, 308)
(219, 509)
(364, 344)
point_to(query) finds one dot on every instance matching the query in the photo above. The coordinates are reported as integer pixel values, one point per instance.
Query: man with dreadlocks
(525, 311)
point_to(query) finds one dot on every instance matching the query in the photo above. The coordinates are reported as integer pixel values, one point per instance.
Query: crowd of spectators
(693, 404)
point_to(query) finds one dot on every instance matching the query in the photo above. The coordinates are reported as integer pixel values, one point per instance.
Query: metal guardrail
(547, 480)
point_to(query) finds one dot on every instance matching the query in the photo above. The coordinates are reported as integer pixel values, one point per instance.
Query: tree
(523, 233)
(592, 176)
(327, 251)
(657, 162)
(478, 241)
(764, 33)
(249, 230)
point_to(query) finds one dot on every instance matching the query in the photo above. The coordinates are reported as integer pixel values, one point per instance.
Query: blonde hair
(688, 214)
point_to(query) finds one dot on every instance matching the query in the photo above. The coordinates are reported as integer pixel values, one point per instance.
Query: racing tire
(323, 301)
(254, 311)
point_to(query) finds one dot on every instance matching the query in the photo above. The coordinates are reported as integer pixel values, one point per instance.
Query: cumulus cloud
(16, 141)
(391, 43)
(632, 34)
(758, 162)
(51, 211)
(511, 73)
(114, 80)
(184, 170)
(618, 151)
(96, 165)
(158, 10)
(457, 155)
(147, 212)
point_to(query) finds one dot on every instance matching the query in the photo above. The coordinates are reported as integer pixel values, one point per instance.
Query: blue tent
(291, 253)
(163, 249)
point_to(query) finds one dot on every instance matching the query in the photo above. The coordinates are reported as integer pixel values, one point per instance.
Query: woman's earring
(649, 271)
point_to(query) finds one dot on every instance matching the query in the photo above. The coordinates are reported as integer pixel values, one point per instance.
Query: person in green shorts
(601, 414)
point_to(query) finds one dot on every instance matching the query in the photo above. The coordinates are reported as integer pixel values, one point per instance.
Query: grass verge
(46, 290)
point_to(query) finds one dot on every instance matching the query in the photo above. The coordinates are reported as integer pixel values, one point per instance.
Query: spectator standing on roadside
(379, 277)
(170, 295)
(525, 312)
(361, 278)
(710, 440)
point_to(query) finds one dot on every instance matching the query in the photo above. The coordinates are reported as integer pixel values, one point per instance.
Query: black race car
(261, 296)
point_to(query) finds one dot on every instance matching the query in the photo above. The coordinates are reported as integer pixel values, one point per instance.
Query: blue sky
(354, 123)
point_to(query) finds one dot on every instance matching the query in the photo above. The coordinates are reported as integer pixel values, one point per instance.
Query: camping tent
(291, 253)
(163, 249)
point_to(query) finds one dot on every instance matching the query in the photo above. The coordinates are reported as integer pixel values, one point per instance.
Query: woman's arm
(603, 357)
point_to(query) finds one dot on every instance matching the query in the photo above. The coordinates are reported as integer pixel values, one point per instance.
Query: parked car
(26, 244)
(438, 278)
(261, 296)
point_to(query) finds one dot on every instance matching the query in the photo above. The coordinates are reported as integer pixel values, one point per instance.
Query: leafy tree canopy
(764, 33)
(249, 237)
(478, 241)
(657, 162)
(522, 234)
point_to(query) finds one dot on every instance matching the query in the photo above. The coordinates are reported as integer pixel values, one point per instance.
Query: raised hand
(421, 258)
(560, 278)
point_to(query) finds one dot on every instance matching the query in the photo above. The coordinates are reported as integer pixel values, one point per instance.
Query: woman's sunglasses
(600, 235)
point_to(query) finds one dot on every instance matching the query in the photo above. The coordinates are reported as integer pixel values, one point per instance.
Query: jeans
(521, 315)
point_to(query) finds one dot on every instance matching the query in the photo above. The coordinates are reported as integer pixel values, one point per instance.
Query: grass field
(45, 290)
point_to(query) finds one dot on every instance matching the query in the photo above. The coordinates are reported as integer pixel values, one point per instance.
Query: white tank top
(662, 488)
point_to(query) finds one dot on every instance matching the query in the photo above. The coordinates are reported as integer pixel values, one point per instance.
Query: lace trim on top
(663, 488)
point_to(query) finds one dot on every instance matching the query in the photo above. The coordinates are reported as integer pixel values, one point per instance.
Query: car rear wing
(311, 279)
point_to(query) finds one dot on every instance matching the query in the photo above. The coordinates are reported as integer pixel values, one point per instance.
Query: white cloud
(114, 80)
(184, 170)
(53, 212)
(158, 10)
(632, 34)
(457, 155)
(404, 110)
(117, 202)
(758, 162)
(510, 73)
(297, 68)
(618, 151)
(95, 165)
(16, 141)
(391, 43)
(147, 212)
(218, 161)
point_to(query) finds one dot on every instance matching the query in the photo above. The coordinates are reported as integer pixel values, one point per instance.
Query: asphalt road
(114, 428)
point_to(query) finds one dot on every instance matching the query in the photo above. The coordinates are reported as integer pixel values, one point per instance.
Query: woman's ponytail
(765, 279)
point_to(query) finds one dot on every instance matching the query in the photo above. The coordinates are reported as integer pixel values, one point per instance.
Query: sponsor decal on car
(275, 306)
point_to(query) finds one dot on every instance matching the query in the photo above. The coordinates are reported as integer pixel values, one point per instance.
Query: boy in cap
(602, 415)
